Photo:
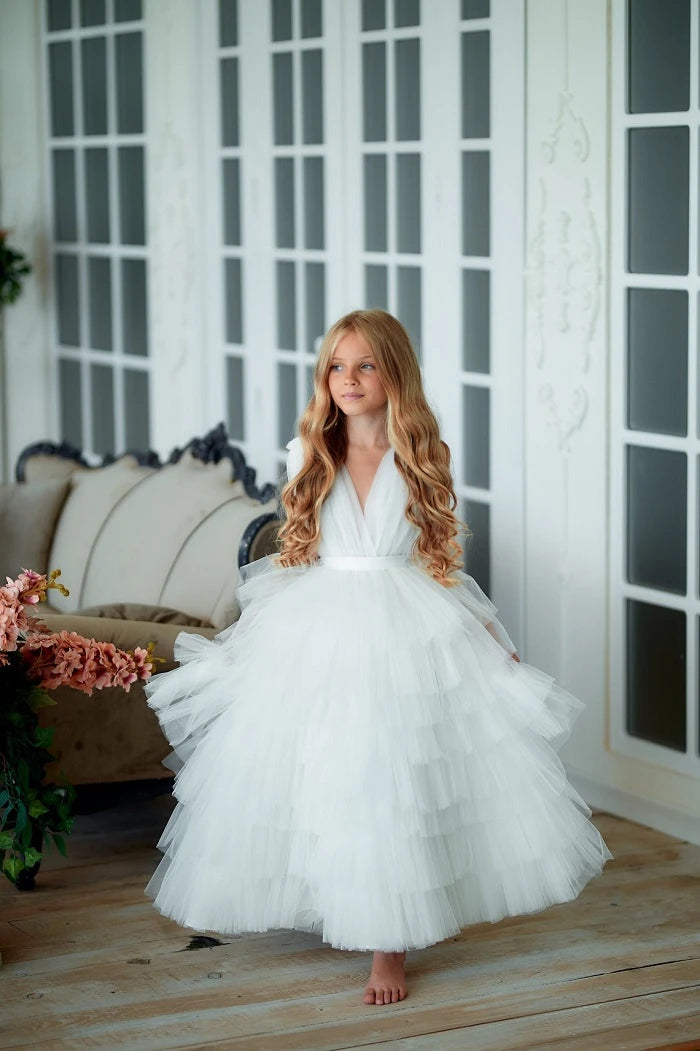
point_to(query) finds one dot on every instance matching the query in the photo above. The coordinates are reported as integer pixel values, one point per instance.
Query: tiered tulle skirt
(358, 757)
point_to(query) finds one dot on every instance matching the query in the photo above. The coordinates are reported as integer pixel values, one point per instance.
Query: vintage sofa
(147, 550)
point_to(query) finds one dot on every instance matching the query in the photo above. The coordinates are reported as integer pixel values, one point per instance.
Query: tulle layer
(359, 757)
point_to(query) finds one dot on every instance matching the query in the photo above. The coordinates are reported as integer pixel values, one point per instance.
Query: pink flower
(62, 658)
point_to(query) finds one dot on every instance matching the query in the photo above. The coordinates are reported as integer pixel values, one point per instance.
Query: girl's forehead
(352, 344)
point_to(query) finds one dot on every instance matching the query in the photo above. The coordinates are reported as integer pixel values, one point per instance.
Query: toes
(394, 995)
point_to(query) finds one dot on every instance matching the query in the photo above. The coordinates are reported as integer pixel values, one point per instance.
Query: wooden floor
(88, 963)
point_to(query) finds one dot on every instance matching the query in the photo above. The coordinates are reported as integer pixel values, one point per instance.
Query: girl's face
(353, 379)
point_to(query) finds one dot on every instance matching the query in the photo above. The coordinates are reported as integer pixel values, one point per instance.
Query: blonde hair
(412, 430)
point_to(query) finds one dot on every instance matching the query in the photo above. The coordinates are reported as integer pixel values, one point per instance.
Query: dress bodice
(382, 529)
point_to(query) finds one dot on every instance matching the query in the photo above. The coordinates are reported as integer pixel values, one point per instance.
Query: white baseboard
(666, 819)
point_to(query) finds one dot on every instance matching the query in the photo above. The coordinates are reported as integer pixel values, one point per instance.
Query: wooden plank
(90, 963)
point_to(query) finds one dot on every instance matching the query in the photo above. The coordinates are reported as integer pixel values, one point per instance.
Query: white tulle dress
(359, 757)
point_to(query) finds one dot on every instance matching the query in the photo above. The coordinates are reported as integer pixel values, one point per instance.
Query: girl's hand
(515, 657)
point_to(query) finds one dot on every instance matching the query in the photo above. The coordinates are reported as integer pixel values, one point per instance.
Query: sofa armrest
(259, 539)
(126, 634)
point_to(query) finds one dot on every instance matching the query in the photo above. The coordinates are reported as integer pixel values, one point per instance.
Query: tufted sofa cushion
(164, 537)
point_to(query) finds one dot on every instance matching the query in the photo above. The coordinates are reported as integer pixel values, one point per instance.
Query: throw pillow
(143, 611)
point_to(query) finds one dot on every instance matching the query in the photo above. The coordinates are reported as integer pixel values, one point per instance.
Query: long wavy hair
(412, 430)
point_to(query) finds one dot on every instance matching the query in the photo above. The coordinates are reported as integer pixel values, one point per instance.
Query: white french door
(369, 153)
(655, 596)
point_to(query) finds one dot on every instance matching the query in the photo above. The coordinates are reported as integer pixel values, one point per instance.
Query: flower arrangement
(33, 659)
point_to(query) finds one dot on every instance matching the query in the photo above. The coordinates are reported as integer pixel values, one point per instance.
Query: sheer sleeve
(295, 457)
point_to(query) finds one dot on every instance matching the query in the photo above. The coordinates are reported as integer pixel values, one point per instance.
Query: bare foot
(387, 982)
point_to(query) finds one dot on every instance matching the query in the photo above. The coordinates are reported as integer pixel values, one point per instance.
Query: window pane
(475, 9)
(314, 232)
(315, 304)
(476, 203)
(61, 83)
(408, 203)
(92, 12)
(656, 661)
(656, 518)
(657, 360)
(281, 19)
(231, 188)
(97, 195)
(287, 402)
(476, 102)
(409, 303)
(286, 308)
(284, 202)
(375, 203)
(229, 102)
(64, 207)
(311, 18)
(234, 300)
(137, 408)
(658, 55)
(70, 387)
(129, 67)
(476, 320)
(406, 13)
(309, 381)
(312, 95)
(131, 198)
(373, 14)
(66, 275)
(234, 399)
(283, 99)
(475, 414)
(228, 23)
(127, 10)
(58, 14)
(100, 302)
(94, 85)
(477, 548)
(374, 92)
(658, 200)
(377, 287)
(408, 96)
(134, 307)
(102, 405)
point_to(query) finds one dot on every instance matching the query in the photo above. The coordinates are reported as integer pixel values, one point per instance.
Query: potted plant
(33, 659)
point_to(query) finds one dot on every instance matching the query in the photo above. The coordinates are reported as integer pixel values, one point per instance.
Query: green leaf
(60, 843)
(7, 841)
(31, 856)
(40, 699)
(21, 822)
(43, 736)
(37, 808)
(12, 866)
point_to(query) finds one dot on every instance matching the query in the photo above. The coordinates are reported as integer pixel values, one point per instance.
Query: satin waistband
(364, 562)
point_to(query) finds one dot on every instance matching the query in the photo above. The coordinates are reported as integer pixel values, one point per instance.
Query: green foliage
(32, 814)
(13, 269)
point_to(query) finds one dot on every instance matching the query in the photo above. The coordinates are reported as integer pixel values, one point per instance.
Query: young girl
(362, 755)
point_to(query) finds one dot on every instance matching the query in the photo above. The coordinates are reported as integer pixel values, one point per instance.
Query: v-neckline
(351, 484)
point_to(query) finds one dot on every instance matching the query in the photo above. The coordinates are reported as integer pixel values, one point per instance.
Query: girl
(360, 756)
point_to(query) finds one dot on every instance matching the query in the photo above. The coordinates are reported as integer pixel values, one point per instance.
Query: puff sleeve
(295, 457)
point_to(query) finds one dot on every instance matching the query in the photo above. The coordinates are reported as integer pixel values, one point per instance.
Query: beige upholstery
(28, 514)
(149, 552)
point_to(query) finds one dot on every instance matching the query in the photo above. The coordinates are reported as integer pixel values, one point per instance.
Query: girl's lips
(353, 395)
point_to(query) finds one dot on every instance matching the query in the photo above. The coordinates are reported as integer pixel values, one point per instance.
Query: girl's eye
(368, 364)
(334, 367)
